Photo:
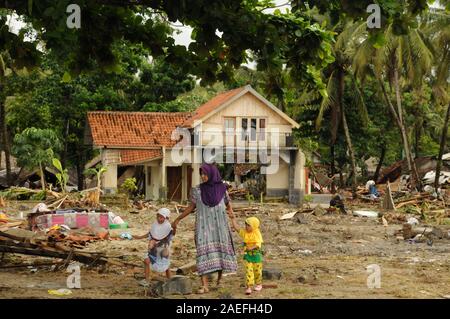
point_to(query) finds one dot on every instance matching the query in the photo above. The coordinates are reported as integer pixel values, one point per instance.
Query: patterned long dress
(215, 249)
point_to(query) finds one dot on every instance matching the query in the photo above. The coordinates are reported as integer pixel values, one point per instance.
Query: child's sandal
(258, 287)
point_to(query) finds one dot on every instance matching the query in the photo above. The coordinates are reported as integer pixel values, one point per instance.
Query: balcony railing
(242, 139)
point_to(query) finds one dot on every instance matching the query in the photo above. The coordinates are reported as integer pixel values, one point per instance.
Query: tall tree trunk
(400, 126)
(418, 131)
(346, 130)
(80, 168)
(332, 169)
(41, 170)
(441, 148)
(380, 163)
(413, 169)
(64, 154)
(5, 142)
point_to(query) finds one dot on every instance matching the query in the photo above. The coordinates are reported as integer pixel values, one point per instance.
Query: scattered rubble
(272, 273)
(177, 285)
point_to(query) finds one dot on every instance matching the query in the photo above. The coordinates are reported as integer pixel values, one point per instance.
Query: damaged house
(237, 127)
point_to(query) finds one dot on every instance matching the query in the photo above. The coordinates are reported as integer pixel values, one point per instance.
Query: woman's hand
(174, 226)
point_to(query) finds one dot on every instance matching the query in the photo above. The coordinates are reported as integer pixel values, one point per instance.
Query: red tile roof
(130, 157)
(134, 129)
(212, 104)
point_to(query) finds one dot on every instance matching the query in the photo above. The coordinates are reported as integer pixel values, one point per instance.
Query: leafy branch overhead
(290, 39)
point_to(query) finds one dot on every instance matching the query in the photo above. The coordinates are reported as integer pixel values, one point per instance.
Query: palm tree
(343, 52)
(4, 71)
(403, 59)
(435, 26)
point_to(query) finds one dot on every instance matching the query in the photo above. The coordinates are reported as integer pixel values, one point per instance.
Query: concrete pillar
(156, 181)
(183, 182)
(148, 190)
(196, 163)
(109, 179)
(237, 179)
(295, 177)
(163, 183)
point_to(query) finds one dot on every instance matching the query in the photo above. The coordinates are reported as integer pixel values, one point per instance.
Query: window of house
(253, 130)
(244, 129)
(229, 125)
(262, 129)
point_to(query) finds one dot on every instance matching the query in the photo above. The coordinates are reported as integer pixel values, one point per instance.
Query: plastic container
(118, 226)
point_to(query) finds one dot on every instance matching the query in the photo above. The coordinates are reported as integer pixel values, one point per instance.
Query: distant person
(338, 202)
(252, 238)
(373, 192)
(159, 239)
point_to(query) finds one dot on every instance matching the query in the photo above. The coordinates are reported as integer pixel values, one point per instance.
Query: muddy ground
(340, 248)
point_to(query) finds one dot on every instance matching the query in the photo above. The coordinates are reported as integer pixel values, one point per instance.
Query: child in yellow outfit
(253, 256)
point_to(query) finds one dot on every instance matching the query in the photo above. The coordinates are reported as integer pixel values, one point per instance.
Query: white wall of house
(246, 107)
(300, 179)
(280, 179)
(152, 179)
(110, 159)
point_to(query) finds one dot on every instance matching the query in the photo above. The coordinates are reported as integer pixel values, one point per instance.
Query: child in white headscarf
(159, 236)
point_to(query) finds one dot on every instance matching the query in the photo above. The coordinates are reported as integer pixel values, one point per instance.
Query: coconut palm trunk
(380, 163)
(332, 168)
(5, 142)
(415, 181)
(404, 136)
(346, 130)
(441, 148)
(41, 170)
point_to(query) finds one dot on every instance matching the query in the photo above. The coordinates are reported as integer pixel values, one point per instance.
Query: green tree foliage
(43, 99)
(275, 39)
(62, 176)
(35, 148)
(98, 171)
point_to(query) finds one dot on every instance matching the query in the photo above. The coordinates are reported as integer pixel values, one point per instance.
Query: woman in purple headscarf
(215, 250)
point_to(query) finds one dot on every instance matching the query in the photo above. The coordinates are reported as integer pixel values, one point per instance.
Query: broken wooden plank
(44, 253)
(388, 201)
(288, 215)
(414, 201)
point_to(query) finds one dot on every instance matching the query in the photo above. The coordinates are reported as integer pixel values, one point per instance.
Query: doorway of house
(174, 183)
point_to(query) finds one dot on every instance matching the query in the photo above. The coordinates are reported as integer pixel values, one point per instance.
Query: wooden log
(418, 197)
(32, 265)
(47, 253)
(52, 193)
(6, 235)
(246, 209)
(414, 201)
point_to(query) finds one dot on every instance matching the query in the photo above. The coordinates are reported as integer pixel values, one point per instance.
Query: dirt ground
(340, 248)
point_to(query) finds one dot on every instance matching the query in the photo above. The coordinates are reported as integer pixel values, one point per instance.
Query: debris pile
(52, 245)
(8, 222)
